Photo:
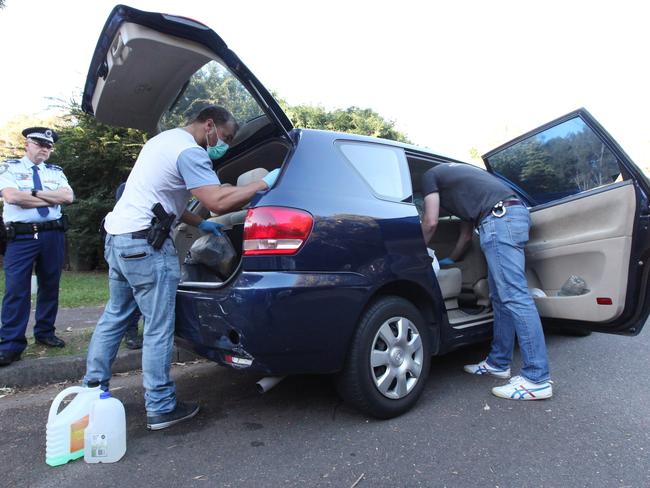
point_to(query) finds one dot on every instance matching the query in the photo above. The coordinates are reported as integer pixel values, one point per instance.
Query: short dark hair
(219, 116)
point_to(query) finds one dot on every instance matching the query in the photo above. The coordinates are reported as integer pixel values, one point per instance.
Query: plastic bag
(573, 286)
(215, 253)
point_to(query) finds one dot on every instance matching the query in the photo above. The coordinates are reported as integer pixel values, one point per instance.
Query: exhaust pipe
(268, 382)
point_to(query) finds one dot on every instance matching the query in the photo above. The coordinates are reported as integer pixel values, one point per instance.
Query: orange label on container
(77, 434)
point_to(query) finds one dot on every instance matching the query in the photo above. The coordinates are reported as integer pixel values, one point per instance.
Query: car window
(566, 159)
(212, 84)
(383, 167)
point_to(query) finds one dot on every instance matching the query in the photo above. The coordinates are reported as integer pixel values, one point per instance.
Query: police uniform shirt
(17, 173)
(465, 191)
(168, 167)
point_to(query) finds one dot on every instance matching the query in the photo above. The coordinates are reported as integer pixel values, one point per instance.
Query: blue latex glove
(211, 227)
(446, 262)
(271, 177)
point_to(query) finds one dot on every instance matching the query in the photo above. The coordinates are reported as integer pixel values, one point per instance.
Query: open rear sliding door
(587, 199)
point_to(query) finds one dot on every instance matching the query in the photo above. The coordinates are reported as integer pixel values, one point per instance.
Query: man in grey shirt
(480, 200)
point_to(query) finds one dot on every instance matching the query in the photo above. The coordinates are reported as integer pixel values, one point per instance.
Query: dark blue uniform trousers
(21, 255)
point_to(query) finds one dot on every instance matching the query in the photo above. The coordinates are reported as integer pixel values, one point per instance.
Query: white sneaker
(519, 388)
(484, 368)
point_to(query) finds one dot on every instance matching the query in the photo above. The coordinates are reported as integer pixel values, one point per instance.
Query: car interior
(244, 168)
(463, 285)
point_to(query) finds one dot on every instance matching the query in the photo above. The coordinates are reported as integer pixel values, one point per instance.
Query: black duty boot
(8, 357)
(52, 341)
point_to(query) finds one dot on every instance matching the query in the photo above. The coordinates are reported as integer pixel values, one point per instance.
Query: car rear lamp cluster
(276, 230)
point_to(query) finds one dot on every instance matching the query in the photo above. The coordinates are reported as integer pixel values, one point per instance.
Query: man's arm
(221, 200)
(59, 196)
(464, 239)
(23, 199)
(430, 218)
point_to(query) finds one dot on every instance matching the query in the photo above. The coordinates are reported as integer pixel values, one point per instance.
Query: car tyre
(389, 359)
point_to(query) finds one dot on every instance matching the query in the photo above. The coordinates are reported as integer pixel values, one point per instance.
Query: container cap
(104, 394)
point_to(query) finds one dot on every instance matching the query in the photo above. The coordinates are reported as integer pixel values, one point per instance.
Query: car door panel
(589, 208)
(589, 237)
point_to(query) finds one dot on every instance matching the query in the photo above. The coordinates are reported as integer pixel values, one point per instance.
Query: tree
(352, 119)
(96, 159)
(12, 142)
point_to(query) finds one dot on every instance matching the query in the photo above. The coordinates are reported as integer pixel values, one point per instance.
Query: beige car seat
(450, 281)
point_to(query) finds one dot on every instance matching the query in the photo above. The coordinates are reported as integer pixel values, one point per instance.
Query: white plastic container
(65, 429)
(105, 436)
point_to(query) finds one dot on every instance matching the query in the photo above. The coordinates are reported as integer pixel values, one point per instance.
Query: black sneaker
(183, 411)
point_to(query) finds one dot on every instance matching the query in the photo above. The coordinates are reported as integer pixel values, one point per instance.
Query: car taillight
(275, 230)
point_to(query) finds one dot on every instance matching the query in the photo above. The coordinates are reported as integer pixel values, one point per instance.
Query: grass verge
(76, 344)
(80, 289)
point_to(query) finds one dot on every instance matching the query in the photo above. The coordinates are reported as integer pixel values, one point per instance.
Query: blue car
(330, 273)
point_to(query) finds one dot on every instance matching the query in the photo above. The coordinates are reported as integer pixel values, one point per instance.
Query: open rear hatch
(143, 62)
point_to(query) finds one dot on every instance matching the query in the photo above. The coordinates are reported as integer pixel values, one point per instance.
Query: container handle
(59, 398)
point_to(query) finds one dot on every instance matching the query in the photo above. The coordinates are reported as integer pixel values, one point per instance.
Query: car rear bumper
(274, 322)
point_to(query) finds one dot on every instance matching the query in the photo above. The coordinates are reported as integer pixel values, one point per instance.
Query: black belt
(140, 234)
(35, 227)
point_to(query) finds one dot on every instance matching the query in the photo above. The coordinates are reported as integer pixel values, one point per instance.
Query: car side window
(383, 167)
(563, 160)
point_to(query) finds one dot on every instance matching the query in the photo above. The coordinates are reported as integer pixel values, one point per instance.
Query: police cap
(41, 134)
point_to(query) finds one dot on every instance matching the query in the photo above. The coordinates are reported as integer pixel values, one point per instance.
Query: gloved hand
(211, 227)
(271, 177)
(446, 262)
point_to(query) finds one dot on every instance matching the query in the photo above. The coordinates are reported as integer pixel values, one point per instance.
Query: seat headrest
(250, 176)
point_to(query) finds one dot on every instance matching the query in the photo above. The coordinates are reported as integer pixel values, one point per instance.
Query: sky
(452, 75)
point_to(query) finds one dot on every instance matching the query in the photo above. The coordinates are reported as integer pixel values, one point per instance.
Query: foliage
(352, 119)
(559, 165)
(212, 85)
(96, 158)
(12, 142)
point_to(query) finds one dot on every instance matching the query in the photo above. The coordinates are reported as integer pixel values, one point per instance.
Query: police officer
(33, 193)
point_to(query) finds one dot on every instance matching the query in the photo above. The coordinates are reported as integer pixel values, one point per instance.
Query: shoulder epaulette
(12, 161)
(53, 166)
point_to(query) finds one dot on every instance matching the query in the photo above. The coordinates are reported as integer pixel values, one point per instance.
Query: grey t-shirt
(465, 191)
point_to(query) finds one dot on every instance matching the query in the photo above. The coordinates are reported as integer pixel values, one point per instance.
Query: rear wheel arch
(389, 358)
(415, 294)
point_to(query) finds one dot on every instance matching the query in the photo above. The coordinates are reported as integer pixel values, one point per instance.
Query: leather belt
(35, 227)
(509, 203)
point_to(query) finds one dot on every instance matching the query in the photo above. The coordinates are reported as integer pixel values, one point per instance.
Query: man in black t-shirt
(481, 200)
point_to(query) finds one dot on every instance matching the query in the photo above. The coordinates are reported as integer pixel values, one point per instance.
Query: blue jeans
(502, 241)
(139, 276)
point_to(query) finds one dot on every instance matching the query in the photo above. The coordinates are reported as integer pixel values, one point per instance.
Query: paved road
(595, 432)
